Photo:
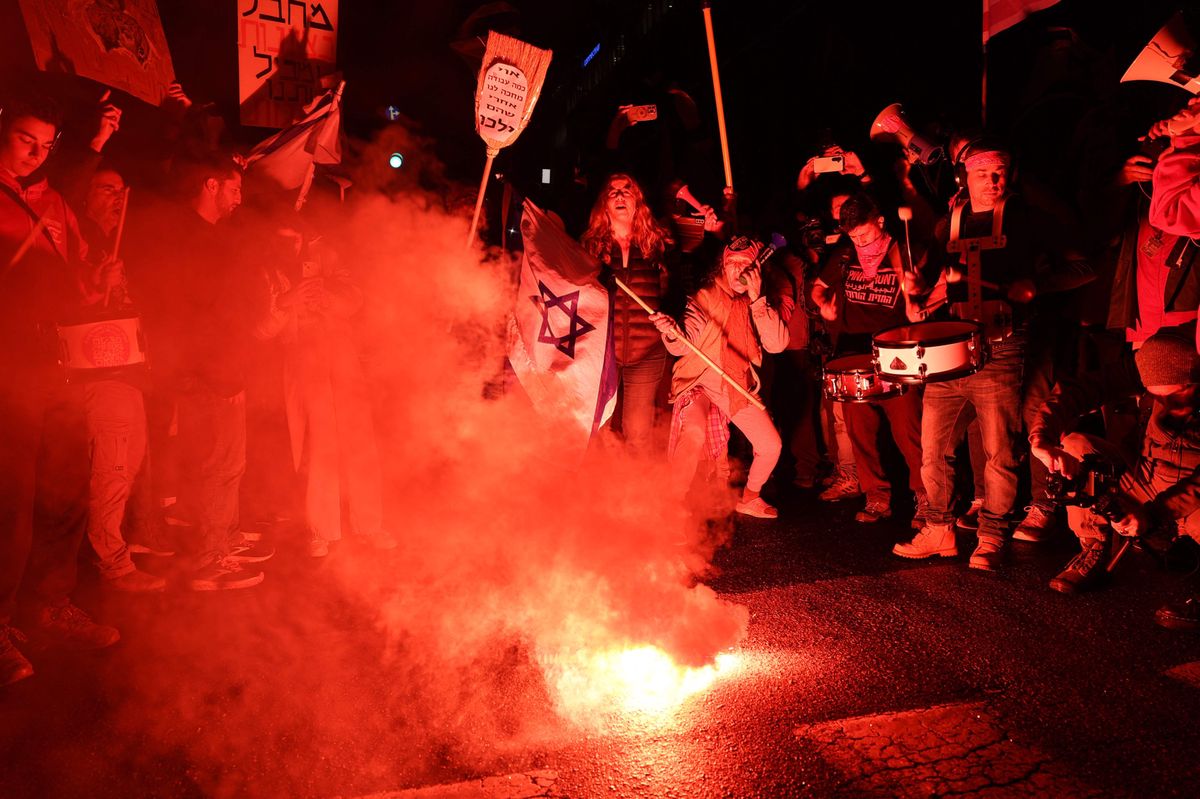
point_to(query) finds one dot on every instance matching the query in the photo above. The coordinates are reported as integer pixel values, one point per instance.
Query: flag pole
(983, 88)
(753, 400)
(716, 78)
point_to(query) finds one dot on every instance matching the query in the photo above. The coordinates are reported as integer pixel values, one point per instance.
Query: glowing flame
(643, 680)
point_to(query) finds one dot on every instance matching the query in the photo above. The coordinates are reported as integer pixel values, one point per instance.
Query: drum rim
(941, 377)
(976, 330)
(869, 369)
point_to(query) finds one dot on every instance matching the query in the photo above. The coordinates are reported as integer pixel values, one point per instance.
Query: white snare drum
(852, 378)
(87, 347)
(929, 352)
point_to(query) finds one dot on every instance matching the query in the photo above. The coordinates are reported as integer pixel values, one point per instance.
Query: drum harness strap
(33, 215)
(973, 248)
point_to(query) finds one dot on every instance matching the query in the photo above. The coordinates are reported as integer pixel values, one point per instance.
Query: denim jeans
(993, 395)
(639, 388)
(212, 443)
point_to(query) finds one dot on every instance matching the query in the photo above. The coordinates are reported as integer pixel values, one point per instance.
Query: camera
(1094, 488)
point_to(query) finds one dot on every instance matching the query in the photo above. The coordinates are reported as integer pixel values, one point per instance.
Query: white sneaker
(318, 547)
(934, 539)
(758, 508)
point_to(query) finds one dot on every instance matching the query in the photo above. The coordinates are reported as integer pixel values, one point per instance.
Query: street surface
(862, 675)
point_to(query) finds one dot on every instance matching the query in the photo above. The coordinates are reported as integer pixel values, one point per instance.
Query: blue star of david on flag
(569, 305)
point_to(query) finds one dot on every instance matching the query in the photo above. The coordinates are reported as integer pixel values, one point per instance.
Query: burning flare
(636, 680)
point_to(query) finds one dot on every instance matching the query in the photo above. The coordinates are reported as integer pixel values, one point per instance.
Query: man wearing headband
(993, 394)
(730, 321)
(862, 285)
(1159, 490)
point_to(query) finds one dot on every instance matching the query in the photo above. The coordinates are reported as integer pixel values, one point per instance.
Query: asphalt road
(862, 675)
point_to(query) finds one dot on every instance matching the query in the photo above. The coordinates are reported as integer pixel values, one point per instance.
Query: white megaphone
(891, 125)
(1166, 58)
(686, 195)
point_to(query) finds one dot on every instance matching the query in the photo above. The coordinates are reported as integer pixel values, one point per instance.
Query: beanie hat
(1167, 359)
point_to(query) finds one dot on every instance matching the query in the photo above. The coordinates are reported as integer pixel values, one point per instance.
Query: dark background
(789, 69)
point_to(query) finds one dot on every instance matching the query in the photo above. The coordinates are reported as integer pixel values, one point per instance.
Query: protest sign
(287, 56)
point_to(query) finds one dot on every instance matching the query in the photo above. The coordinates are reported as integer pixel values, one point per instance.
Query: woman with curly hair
(624, 236)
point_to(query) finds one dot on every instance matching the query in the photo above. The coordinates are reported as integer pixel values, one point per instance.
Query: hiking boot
(875, 511)
(920, 511)
(224, 574)
(69, 627)
(318, 547)
(136, 581)
(14, 666)
(933, 539)
(1181, 615)
(758, 508)
(1037, 526)
(970, 518)
(246, 551)
(845, 487)
(1085, 569)
(988, 555)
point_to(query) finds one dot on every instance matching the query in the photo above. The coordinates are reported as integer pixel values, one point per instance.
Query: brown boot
(1086, 570)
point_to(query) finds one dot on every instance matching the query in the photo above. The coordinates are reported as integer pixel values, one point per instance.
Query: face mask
(870, 256)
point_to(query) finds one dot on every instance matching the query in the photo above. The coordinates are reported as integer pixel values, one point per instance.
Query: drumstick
(117, 240)
(25, 245)
(755, 401)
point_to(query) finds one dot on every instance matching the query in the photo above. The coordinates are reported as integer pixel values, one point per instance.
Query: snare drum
(929, 352)
(90, 348)
(852, 378)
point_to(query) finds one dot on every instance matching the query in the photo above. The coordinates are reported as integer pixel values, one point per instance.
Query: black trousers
(44, 471)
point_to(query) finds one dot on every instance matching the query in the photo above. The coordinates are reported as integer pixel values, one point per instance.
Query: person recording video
(1159, 490)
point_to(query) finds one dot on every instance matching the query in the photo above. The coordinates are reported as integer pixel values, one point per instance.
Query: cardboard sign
(287, 51)
(120, 44)
(501, 101)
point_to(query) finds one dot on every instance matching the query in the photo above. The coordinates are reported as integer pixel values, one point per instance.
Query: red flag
(1000, 15)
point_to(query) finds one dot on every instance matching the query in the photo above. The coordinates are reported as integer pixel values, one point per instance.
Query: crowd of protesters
(1075, 304)
(94, 445)
(1080, 398)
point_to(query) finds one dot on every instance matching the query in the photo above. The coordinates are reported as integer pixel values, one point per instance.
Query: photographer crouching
(1144, 490)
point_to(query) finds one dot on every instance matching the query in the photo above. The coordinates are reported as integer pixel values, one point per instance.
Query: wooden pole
(753, 400)
(983, 89)
(487, 170)
(716, 77)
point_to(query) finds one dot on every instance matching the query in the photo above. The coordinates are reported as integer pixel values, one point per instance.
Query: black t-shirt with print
(866, 305)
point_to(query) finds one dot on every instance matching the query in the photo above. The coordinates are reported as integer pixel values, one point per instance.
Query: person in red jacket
(43, 437)
(1175, 199)
(624, 236)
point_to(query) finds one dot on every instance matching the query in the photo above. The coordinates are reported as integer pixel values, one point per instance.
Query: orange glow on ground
(642, 680)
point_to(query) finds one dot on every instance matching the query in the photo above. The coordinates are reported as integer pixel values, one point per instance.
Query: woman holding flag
(625, 237)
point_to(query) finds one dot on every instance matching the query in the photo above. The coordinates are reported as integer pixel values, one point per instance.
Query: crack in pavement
(958, 749)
